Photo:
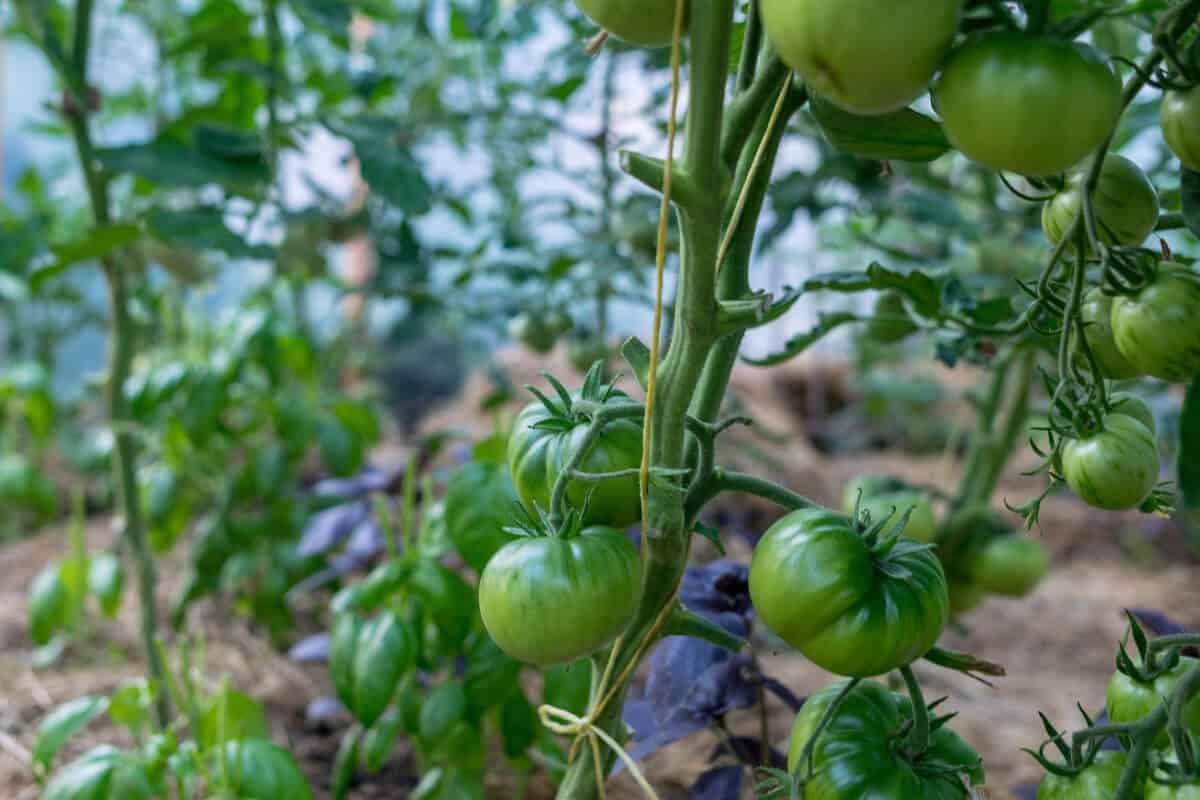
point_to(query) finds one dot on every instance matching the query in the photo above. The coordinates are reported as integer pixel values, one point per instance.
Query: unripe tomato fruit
(1023, 104)
(1097, 782)
(922, 525)
(817, 583)
(864, 56)
(649, 23)
(1129, 699)
(583, 353)
(1125, 203)
(1180, 120)
(890, 322)
(1157, 330)
(1115, 468)
(549, 599)
(1131, 405)
(1010, 564)
(533, 332)
(965, 597)
(1160, 791)
(1097, 328)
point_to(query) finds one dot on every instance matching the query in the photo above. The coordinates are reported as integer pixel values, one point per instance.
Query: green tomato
(1131, 405)
(533, 332)
(817, 584)
(650, 23)
(1160, 791)
(537, 455)
(549, 600)
(865, 56)
(870, 486)
(1023, 104)
(1097, 782)
(1180, 120)
(856, 756)
(1125, 203)
(583, 353)
(890, 322)
(1115, 468)
(1158, 329)
(965, 597)
(1129, 699)
(1010, 564)
(1096, 313)
(922, 525)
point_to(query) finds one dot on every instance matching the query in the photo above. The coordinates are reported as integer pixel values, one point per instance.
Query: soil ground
(1058, 644)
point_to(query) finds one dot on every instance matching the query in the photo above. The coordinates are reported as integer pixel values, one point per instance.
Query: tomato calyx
(1149, 665)
(1076, 759)
(566, 410)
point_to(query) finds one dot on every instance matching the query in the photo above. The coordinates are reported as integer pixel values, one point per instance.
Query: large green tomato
(890, 322)
(1130, 699)
(921, 526)
(536, 455)
(1023, 104)
(1096, 313)
(849, 608)
(1180, 119)
(1009, 564)
(1158, 329)
(1125, 203)
(1131, 405)
(552, 599)
(650, 23)
(865, 56)
(856, 756)
(1097, 782)
(1115, 468)
(1160, 791)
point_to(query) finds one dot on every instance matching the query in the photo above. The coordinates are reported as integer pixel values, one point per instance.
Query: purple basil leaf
(326, 529)
(675, 666)
(1025, 791)
(1157, 622)
(681, 727)
(313, 648)
(719, 783)
(722, 688)
(366, 541)
(326, 710)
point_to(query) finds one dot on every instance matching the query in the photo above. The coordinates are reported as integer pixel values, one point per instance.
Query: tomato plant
(1156, 329)
(1001, 91)
(1125, 204)
(860, 618)
(890, 323)
(1097, 781)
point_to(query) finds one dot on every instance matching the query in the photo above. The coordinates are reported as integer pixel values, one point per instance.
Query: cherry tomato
(1097, 327)
(1125, 203)
(865, 56)
(1130, 699)
(1158, 329)
(649, 23)
(1115, 468)
(1131, 405)
(552, 599)
(1009, 564)
(1023, 104)
(1180, 120)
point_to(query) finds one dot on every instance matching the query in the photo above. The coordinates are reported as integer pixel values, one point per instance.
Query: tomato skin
(816, 584)
(1115, 468)
(1128, 699)
(1097, 782)
(1180, 120)
(922, 525)
(1131, 405)
(890, 323)
(1010, 564)
(855, 756)
(1125, 203)
(1158, 329)
(536, 457)
(533, 332)
(1096, 313)
(649, 23)
(865, 56)
(1158, 791)
(550, 600)
(1035, 106)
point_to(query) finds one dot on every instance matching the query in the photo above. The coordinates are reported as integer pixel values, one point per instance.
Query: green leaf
(381, 738)
(331, 15)
(129, 705)
(567, 686)
(711, 534)
(563, 90)
(492, 675)
(341, 453)
(904, 135)
(106, 581)
(442, 709)
(48, 602)
(230, 714)
(480, 499)
(258, 769)
(450, 601)
(202, 228)
(62, 723)
(919, 287)
(103, 773)
(367, 661)
(172, 164)
(386, 164)
(518, 725)
(98, 242)
(1189, 447)
(637, 356)
(359, 418)
(343, 765)
(826, 323)
(1190, 196)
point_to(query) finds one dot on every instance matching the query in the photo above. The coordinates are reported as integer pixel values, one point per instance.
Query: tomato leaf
(826, 324)
(62, 723)
(904, 135)
(1189, 447)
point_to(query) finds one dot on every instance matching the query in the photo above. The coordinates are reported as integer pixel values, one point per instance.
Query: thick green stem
(726, 481)
(666, 540)
(918, 737)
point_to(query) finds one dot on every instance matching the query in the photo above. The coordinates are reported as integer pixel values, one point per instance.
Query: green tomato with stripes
(1157, 330)
(1114, 468)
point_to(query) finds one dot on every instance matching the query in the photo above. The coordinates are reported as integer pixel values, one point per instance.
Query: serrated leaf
(918, 286)
(826, 324)
(904, 135)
